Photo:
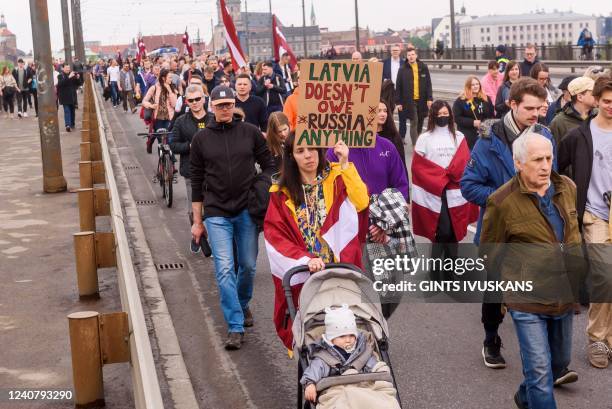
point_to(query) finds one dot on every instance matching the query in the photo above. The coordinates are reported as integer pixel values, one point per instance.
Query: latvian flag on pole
(281, 45)
(428, 183)
(188, 49)
(231, 38)
(286, 249)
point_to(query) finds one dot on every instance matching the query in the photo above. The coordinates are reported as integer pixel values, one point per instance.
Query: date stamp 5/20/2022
(42, 394)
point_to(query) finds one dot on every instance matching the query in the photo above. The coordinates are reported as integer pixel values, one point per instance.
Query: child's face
(345, 341)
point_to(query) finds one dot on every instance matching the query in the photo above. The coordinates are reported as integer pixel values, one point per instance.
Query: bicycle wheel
(160, 175)
(168, 176)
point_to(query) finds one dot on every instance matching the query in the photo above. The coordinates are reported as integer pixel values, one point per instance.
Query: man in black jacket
(223, 157)
(185, 127)
(414, 92)
(23, 77)
(271, 88)
(67, 84)
(254, 108)
(531, 59)
(587, 149)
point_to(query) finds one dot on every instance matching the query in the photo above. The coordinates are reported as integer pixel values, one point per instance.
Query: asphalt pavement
(435, 348)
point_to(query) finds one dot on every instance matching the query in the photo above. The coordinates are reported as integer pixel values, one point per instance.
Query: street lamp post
(77, 28)
(66, 28)
(271, 30)
(304, 29)
(452, 23)
(246, 25)
(357, 47)
(50, 147)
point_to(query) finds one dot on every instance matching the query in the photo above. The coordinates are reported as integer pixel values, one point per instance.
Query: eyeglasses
(227, 105)
(192, 100)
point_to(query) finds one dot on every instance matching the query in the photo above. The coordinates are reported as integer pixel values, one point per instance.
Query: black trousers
(8, 103)
(22, 101)
(445, 245)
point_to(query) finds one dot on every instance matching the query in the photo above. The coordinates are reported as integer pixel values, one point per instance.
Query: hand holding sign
(338, 103)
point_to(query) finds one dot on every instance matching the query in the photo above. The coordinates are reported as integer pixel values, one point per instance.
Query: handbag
(148, 114)
(9, 91)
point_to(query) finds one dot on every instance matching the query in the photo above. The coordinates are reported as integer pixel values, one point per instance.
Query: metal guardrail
(573, 65)
(147, 393)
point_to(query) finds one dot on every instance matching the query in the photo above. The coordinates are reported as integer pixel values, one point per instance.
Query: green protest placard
(338, 100)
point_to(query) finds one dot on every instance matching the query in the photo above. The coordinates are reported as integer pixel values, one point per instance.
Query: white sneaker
(19, 114)
(25, 114)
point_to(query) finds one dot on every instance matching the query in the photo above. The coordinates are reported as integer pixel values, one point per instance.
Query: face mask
(441, 121)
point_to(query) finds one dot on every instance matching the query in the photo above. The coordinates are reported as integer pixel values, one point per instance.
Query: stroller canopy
(335, 287)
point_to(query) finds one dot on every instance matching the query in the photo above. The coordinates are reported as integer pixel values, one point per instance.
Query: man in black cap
(502, 59)
(223, 157)
(558, 105)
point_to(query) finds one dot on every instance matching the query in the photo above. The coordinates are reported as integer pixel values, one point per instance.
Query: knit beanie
(339, 321)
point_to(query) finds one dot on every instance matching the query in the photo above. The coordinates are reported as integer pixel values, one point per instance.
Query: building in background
(343, 41)
(260, 33)
(8, 43)
(441, 31)
(519, 29)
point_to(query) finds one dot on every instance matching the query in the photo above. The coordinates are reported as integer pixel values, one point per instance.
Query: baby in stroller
(344, 350)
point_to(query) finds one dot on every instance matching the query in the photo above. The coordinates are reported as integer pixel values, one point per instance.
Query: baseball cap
(579, 85)
(222, 94)
(565, 82)
(501, 48)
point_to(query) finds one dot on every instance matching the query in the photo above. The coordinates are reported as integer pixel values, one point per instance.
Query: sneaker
(19, 114)
(567, 376)
(25, 114)
(234, 341)
(517, 401)
(67, 129)
(599, 354)
(248, 318)
(491, 354)
(149, 145)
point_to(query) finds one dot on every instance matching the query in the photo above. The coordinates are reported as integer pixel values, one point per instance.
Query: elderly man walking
(530, 233)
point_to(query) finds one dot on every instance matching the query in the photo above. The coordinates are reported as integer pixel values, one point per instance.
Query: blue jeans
(69, 115)
(235, 289)
(114, 92)
(545, 342)
(402, 117)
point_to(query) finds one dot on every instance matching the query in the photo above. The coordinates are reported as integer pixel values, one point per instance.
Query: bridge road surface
(435, 348)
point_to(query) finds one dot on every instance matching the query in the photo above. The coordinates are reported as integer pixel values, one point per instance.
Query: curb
(172, 362)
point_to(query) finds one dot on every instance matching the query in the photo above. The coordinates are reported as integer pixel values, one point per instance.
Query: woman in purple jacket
(380, 167)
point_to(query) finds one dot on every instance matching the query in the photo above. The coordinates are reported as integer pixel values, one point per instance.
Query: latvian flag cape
(428, 182)
(343, 230)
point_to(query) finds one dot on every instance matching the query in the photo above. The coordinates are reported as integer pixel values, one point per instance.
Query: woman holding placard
(305, 204)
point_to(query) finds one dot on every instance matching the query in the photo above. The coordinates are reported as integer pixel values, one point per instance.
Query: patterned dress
(311, 216)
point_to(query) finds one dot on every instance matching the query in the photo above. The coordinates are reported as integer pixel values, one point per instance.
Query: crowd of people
(527, 161)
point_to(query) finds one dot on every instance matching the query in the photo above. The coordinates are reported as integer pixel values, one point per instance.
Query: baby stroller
(338, 284)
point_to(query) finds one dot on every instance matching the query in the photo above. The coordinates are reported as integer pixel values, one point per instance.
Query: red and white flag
(188, 49)
(231, 38)
(142, 50)
(428, 183)
(343, 230)
(281, 46)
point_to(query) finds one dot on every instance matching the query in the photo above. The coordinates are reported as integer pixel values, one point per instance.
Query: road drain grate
(146, 202)
(132, 167)
(170, 266)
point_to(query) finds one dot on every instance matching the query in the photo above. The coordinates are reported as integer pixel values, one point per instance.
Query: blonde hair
(467, 89)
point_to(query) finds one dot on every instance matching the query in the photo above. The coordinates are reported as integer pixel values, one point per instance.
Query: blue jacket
(491, 165)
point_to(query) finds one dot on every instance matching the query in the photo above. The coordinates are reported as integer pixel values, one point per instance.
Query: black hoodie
(223, 157)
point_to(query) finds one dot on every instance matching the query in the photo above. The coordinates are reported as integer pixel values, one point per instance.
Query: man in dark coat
(414, 92)
(67, 83)
(391, 67)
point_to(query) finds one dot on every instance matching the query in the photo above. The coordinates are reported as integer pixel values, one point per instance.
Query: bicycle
(165, 164)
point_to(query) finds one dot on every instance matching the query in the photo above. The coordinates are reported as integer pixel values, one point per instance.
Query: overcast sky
(118, 21)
